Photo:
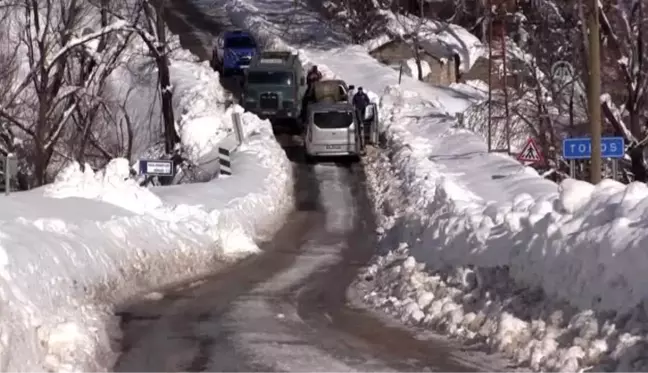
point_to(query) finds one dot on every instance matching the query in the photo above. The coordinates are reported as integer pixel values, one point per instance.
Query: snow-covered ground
(550, 274)
(71, 250)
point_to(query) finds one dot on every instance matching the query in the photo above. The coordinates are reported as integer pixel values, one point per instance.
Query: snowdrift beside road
(578, 242)
(552, 276)
(71, 250)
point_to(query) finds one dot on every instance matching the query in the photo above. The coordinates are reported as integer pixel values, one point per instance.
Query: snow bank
(482, 306)
(71, 250)
(577, 241)
(550, 275)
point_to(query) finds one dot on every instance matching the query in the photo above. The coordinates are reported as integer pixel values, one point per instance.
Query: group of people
(360, 100)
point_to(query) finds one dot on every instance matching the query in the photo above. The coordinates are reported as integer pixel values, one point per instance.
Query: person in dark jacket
(360, 102)
(314, 75)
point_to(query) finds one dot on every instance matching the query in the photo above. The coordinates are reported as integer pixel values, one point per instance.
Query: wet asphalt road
(286, 309)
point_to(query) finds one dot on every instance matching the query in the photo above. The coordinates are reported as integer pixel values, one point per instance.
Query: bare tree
(103, 59)
(413, 27)
(159, 49)
(623, 27)
(151, 29)
(8, 70)
(41, 106)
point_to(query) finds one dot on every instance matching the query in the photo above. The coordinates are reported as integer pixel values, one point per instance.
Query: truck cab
(239, 47)
(274, 86)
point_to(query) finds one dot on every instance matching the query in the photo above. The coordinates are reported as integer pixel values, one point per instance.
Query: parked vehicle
(274, 86)
(332, 130)
(237, 50)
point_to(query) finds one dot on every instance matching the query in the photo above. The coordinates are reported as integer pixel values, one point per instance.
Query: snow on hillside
(554, 265)
(71, 250)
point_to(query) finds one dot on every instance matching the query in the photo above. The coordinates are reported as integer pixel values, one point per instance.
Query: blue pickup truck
(238, 49)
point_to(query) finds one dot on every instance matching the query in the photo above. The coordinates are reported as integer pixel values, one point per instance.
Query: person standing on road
(360, 102)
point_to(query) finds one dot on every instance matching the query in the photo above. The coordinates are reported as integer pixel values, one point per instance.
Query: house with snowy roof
(439, 64)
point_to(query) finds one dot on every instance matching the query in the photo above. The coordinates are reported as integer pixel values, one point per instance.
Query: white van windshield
(333, 119)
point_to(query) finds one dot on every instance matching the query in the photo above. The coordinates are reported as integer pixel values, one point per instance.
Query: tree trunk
(170, 135)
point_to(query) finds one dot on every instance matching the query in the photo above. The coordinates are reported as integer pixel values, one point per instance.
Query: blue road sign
(161, 167)
(581, 147)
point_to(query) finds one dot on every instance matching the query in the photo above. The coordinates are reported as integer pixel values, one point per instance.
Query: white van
(332, 130)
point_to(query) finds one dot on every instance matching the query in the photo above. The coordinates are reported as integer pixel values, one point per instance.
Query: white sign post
(160, 167)
(9, 170)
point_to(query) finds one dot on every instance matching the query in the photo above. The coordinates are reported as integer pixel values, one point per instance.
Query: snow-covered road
(286, 310)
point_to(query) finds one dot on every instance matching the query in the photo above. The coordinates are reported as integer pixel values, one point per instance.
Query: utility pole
(594, 91)
(489, 19)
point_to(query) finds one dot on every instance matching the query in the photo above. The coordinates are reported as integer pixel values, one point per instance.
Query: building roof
(433, 47)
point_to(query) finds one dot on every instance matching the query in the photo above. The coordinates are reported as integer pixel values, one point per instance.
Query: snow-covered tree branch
(58, 97)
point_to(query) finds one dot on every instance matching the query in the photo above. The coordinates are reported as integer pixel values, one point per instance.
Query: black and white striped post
(224, 161)
(227, 147)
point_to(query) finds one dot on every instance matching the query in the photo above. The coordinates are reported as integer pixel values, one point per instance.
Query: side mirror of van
(351, 87)
(302, 81)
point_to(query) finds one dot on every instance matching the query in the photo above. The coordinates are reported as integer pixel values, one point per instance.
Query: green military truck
(275, 84)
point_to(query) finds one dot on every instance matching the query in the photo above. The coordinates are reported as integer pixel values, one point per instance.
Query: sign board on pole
(581, 147)
(161, 167)
(530, 152)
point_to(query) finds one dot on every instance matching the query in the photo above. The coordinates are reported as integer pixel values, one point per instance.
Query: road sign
(581, 147)
(562, 71)
(161, 167)
(530, 152)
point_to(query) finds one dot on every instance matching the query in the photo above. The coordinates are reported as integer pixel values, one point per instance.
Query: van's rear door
(333, 132)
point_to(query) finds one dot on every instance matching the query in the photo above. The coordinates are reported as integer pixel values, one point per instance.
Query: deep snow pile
(551, 276)
(482, 306)
(71, 250)
(578, 241)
